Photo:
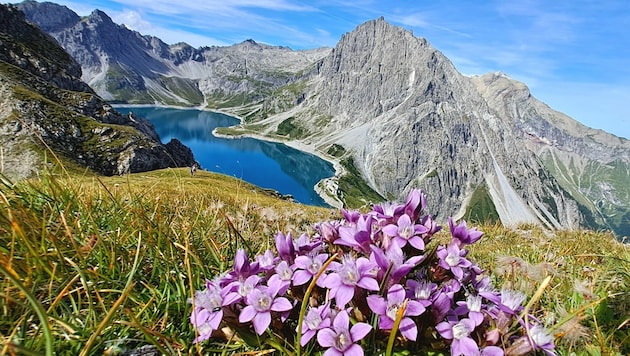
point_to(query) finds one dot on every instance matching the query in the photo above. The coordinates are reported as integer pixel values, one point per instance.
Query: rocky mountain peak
(49, 16)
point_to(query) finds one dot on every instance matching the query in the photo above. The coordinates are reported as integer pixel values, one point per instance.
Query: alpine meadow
(464, 217)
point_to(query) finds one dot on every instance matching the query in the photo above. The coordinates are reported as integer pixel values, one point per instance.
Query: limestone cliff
(480, 147)
(46, 111)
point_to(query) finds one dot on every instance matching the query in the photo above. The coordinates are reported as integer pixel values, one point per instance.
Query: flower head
(261, 301)
(207, 312)
(357, 236)
(284, 245)
(452, 258)
(308, 266)
(459, 333)
(340, 339)
(314, 320)
(405, 231)
(416, 201)
(349, 274)
(387, 310)
(393, 260)
(462, 235)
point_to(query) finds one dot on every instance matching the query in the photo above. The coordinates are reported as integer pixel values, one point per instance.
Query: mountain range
(385, 103)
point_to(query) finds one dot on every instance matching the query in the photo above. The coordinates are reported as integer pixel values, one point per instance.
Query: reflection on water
(266, 164)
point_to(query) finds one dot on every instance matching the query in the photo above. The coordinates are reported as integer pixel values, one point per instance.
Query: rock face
(479, 146)
(45, 108)
(125, 66)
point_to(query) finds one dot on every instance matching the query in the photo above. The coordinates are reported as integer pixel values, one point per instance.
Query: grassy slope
(110, 261)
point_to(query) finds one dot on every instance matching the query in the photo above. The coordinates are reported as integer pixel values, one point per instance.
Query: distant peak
(100, 14)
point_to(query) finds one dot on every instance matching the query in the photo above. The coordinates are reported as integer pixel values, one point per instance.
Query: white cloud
(133, 20)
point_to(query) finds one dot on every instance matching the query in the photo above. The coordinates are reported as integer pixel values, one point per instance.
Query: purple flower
(340, 339)
(266, 261)
(459, 332)
(357, 236)
(511, 301)
(452, 258)
(472, 307)
(387, 213)
(348, 275)
(351, 216)
(462, 235)
(304, 244)
(394, 261)
(442, 300)
(261, 302)
(539, 338)
(208, 312)
(432, 227)
(416, 201)
(284, 245)
(421, 290)
(242, 268)
(282, 277)
(314, 320)
(542, 339)
(405, 231)
(238, 290)
(308, 266)
(328, 231)
(387, 311)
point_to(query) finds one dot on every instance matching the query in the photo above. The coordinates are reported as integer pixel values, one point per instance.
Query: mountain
(45, 107)
(481, 147)
(389, 106)
(123, 65)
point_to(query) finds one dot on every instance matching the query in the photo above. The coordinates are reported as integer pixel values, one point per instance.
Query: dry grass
(93, 265)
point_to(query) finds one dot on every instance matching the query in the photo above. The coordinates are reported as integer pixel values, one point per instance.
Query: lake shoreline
(324, 188)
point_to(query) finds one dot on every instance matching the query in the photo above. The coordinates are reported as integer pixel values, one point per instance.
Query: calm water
(265, 164)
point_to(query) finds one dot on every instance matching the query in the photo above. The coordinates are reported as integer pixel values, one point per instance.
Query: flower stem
(307, 295)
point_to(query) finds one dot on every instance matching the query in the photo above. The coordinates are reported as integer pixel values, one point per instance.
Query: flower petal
(353, 350)
(281, 304)
(408, 329)
(343, 294)
(465, 346)
(247, 314)
(445, 329)
(341, 322)
(359, 331)
(396, 294)
(326, 337)
(417, 242)
(261, 322)
(368, 283)
(414, 308)
(377, 304)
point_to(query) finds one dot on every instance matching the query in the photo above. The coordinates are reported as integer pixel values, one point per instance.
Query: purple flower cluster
(373, 271)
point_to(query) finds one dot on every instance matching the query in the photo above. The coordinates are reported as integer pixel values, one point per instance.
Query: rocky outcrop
(46, 111)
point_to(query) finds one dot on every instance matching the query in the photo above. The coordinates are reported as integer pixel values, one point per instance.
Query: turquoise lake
(265, 164)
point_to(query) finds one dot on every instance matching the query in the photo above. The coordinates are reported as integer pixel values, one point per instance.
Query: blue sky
(574, 55)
